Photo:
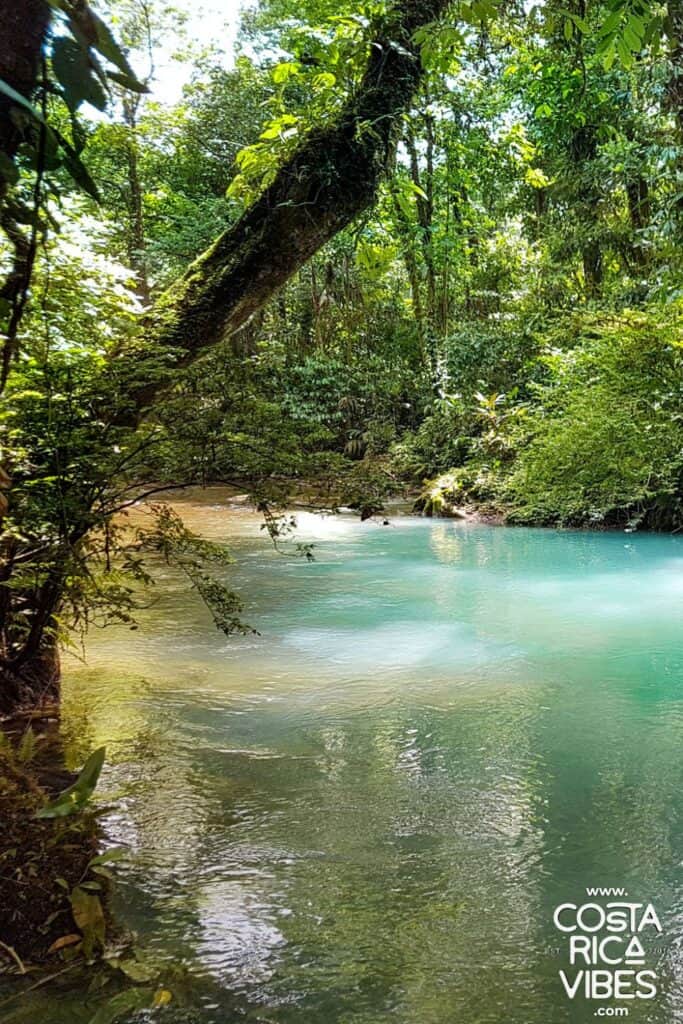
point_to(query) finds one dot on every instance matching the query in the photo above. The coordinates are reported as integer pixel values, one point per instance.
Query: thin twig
(15, 956)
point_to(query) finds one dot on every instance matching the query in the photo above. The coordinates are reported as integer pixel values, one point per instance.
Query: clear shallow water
(369, 812)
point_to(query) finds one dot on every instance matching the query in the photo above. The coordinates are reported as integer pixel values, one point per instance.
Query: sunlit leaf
(88, 914)
(73, 798)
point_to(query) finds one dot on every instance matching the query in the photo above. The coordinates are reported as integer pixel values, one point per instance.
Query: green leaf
(325, 80)
(73, 798)
(624, 52)
(138, 971)
(17, 98)
(610, 57)
(74, 165)
(102, 872)
(582, 25)
(611, 22)
(106, 44)
(636, 26)
(109, 856)
(74, 73)
(87, 912)
(27, 747)
(126, 82)
(283, 72)
(632, 40)
(77, 169)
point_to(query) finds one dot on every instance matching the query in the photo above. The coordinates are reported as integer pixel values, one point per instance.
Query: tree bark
(137, 242)
(35, 682)
(674, 87)
(582, 153)
(409, 258)
(24, 28)
(24, 31)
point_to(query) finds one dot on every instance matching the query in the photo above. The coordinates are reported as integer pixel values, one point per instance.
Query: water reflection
(370, 812)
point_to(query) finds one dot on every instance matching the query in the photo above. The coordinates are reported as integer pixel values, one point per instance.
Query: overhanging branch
(328, 182)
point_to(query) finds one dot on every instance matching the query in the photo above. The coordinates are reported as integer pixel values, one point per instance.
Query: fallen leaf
(65, 940)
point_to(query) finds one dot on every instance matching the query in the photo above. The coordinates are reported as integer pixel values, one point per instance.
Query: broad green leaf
(611, 22)
(325, 80)
(87, 912)
(77, 169)
(610, 57)
(126, 82)
(74, 73)
(73, 798)
(17, 98)
(102, 872)
(582, 25)
(624, 52)
(632, 40)
(138, 971)
(283, 72)
(109, 48)
(637, 26)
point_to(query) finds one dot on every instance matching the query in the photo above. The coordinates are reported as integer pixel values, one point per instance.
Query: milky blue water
(369, 812)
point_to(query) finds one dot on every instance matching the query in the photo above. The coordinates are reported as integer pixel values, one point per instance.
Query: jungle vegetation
(418, 248)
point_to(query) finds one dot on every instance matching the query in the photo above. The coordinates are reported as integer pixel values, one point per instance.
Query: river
(370, 811)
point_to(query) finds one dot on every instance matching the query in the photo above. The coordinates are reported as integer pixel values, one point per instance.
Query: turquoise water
(369, 812)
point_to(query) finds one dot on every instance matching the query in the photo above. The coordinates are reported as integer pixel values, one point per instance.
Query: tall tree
(328, 181)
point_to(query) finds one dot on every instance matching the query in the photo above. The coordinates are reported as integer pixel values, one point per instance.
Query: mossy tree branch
(325, 185)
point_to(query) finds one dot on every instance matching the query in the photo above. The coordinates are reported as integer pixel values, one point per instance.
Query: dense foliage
(504, 324)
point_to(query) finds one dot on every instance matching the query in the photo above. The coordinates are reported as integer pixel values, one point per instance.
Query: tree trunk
(674, 87)
(24, 27)
(24, 30)
(403, 228)
(425, 217)
(137, 242)
(638, 196)
(592, 269)
(331, 179)
(583, 151)
(34, 682)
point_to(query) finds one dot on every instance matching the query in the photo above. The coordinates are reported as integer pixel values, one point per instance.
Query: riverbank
(54, 901)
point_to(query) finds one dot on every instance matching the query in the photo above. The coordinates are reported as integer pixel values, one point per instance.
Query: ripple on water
(368, 812)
